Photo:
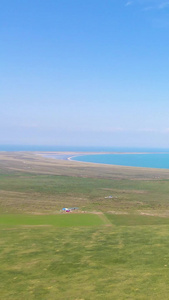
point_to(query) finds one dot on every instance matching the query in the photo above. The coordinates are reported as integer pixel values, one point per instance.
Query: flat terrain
(64, 220)
(110, 248)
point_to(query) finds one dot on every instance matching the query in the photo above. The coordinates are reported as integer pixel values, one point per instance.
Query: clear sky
(84, 72)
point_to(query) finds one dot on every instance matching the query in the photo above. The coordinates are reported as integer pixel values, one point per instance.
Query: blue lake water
(150, 160)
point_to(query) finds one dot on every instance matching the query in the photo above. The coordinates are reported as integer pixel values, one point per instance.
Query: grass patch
(118, 262)
(27, 193)
(65, 220)
(136, 220)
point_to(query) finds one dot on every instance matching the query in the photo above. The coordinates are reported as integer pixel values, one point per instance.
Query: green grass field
(35, 193)
(63, 220)
(136, 220)
(117, 249)
(118, 262)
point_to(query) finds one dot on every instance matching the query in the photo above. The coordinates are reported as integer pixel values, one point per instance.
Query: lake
(150, 160)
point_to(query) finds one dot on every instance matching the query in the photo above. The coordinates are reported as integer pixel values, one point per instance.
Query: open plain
(110, 248)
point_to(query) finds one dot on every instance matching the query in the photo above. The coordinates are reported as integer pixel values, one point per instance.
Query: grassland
(119, 262)
(111, 249)
(62, 220)
(39, 193)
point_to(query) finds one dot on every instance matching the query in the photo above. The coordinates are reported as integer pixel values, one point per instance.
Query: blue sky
(92, 73)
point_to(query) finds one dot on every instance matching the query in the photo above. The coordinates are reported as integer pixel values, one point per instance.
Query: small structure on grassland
(108, 197)
(65, 209)
(70, 209)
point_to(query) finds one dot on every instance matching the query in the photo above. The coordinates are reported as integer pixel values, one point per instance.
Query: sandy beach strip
(70, 155)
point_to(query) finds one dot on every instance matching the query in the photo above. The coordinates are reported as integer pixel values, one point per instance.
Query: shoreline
(69, 155)
(35, 162)
(75, 157)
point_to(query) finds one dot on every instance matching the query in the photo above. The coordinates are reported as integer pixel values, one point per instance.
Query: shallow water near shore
(150, 160)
